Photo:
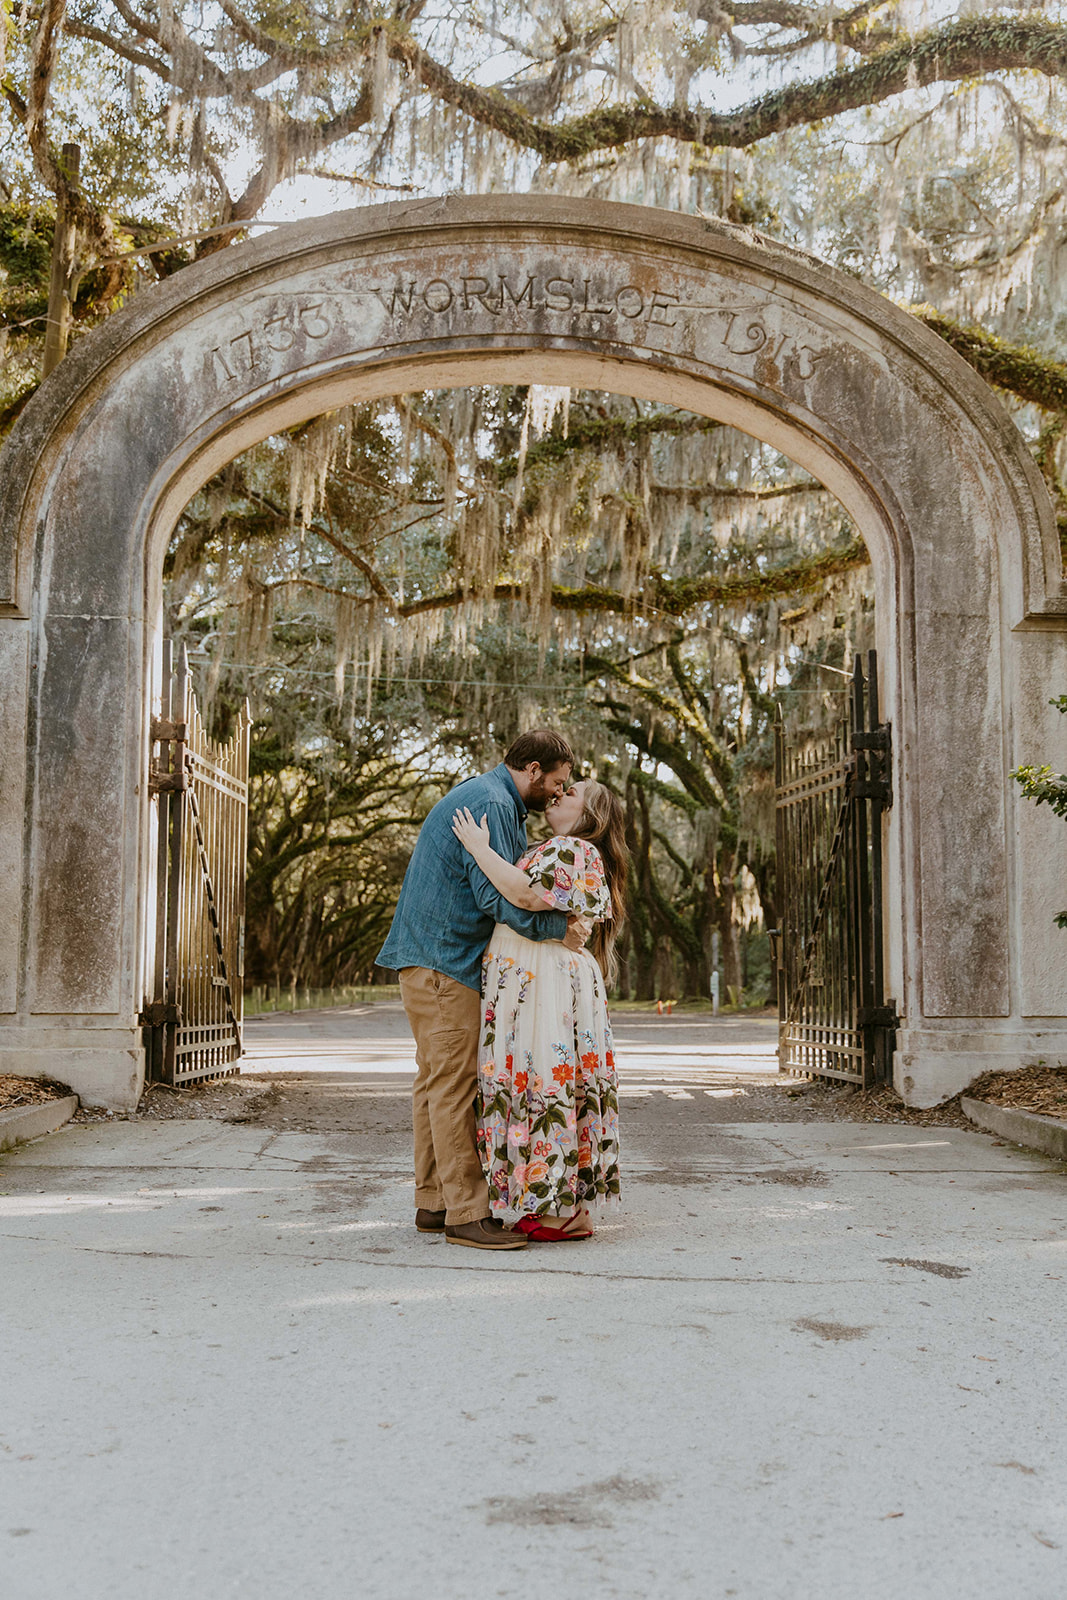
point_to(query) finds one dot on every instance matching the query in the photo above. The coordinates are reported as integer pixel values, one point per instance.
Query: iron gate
(193, 1022)
(833, 1018)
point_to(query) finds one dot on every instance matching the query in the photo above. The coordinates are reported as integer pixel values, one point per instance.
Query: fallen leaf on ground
(1042, 1090)
(16, 1091)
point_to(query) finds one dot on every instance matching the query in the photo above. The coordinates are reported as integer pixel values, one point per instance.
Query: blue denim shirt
(447, 907)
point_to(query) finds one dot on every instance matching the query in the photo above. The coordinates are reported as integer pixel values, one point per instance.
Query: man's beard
(539, 795)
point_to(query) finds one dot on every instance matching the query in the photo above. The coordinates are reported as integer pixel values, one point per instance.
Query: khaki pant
(445, 1017)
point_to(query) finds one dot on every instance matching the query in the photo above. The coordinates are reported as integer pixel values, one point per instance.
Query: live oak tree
(679, 583)
(388, 566)
(916, 148)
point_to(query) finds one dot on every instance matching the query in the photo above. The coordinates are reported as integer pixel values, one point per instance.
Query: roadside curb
(1021, 1127)
(20, 1123)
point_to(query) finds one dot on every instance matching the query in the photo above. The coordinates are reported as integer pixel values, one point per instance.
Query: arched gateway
(971, 613)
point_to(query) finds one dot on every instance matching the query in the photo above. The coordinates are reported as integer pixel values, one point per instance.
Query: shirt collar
(516, 796)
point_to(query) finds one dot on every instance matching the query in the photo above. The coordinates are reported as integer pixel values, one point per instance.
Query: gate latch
(157, 1012)
(167, 782)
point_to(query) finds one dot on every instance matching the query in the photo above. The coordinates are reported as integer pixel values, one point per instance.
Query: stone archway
(972, 604)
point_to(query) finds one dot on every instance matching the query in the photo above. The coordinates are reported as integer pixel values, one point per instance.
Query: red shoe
(534, 1228)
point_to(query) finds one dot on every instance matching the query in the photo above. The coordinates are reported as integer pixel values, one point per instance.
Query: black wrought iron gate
(833, 1018)
(193, 1020)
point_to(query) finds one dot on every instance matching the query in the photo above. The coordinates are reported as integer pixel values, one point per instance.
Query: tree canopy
(400, 586)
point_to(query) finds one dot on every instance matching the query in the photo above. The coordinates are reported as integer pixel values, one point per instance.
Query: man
(443, 922)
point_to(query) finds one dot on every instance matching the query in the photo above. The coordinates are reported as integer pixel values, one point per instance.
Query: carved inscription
(505, 293)
(744, 335)
(740, 330)
(247, 350)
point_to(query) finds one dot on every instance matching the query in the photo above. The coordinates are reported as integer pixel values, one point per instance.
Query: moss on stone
(1018, 368)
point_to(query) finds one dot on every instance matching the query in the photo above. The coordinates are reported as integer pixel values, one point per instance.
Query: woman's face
(564, 814)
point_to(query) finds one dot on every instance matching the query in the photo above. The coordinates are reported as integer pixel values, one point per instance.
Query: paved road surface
(376, 1038)
(802, 1361)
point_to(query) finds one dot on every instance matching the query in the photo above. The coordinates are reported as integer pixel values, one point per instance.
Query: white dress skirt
(548, 1104)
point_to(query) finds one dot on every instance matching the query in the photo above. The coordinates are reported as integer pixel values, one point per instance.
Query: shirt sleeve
(569, 873)
(536, 925)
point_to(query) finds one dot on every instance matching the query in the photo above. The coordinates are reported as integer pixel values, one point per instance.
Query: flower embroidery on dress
(548, 1132)
(570, 874)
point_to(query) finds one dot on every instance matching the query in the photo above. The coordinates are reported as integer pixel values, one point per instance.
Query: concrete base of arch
(971, 602)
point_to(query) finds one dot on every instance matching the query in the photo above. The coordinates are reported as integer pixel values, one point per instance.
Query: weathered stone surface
(959, 769)
(517, 289)
(14, 686)
(76, 886)
(100, 1071)
(1047, 1134)
(19, 1123)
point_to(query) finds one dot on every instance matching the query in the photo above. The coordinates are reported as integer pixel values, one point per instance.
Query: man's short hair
(548, 748)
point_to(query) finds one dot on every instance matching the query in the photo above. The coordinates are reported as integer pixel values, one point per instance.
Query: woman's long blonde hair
(603, 823)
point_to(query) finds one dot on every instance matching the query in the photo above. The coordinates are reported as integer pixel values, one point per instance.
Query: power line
(449, 683)
(381, 677)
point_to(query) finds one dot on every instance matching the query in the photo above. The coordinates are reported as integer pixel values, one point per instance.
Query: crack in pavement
(434, 1266)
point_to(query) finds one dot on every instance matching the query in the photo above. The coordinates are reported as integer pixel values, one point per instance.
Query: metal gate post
(159, 976)
(194, 1020)
(833, 1019)
(776, 935)
(874, 745)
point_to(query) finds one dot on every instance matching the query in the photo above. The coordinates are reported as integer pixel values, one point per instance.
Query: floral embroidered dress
(548, 1105)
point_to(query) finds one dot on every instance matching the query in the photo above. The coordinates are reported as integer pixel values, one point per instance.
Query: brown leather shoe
(485, 1234)
(430, 1221)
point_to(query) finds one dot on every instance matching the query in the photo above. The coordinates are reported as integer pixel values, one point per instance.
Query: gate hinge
(876, 739)
(157, 1012)
(878, 1016)
(164, 728)
(872, 789)
(878, 784)
(167, 782)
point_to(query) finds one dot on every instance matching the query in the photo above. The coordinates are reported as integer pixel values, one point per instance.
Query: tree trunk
(729, 930)
(64, 246)
(640, 841)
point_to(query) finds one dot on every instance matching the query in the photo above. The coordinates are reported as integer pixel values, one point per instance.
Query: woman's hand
(473, 836)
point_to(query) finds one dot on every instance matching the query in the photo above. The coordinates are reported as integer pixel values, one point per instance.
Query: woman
(548, 1107)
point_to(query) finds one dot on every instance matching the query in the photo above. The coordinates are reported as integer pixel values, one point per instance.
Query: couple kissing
(505, 953)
